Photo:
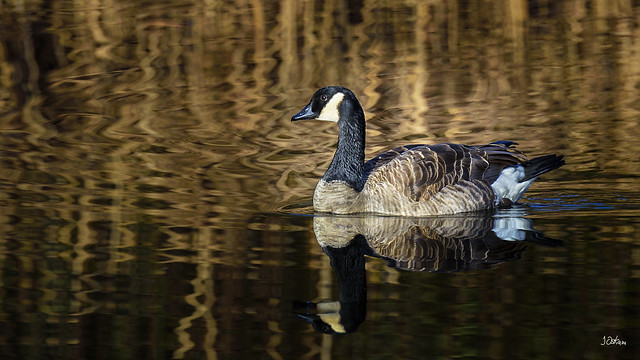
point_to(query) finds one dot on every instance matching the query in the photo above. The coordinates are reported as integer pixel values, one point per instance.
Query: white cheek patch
(333, 320)
(328, 307)
(330, 111)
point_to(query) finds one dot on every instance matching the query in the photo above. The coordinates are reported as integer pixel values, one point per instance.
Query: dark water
(155, 199)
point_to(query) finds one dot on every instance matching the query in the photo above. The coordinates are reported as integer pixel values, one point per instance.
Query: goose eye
(323, 97)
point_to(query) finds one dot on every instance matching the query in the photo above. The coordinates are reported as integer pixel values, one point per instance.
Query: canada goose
(415, 180)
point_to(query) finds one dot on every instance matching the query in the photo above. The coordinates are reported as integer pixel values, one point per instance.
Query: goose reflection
(437, 244)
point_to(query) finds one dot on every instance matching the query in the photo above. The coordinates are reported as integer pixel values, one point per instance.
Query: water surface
(155, 199)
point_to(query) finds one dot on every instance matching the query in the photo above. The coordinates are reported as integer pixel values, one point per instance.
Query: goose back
(435, 179)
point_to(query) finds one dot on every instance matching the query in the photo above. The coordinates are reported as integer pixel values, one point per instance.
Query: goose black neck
(348, 161)
(349, 265)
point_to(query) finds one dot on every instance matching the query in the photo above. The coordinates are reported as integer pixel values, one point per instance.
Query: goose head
(333, 103)
(339, 105)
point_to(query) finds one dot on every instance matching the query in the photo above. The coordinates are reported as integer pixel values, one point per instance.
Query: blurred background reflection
(155, 199)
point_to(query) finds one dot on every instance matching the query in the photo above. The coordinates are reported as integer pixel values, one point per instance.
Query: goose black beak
(304, 114)
(310, 318)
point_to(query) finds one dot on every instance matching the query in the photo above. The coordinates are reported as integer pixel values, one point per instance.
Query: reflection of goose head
(437, 244)
(344, 316)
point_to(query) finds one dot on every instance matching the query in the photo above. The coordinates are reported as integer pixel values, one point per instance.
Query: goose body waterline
(414, 180)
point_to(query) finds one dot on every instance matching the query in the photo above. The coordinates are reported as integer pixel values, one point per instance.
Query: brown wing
(501, 154)
(423, 170)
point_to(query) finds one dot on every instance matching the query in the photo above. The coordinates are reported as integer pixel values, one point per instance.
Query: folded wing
(421, 171)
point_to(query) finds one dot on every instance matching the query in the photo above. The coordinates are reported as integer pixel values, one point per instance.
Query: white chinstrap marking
(333, 320)
(330, 110)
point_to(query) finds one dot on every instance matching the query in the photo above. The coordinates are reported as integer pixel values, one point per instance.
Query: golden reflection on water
(164, 127)
(153, 98)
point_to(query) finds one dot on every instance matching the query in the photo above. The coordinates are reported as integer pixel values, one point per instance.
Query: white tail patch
(330, 110)
(508, 185)
(512, 228)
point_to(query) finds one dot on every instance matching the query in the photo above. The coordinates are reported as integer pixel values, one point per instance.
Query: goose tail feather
(514, 180)
(540, 165)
